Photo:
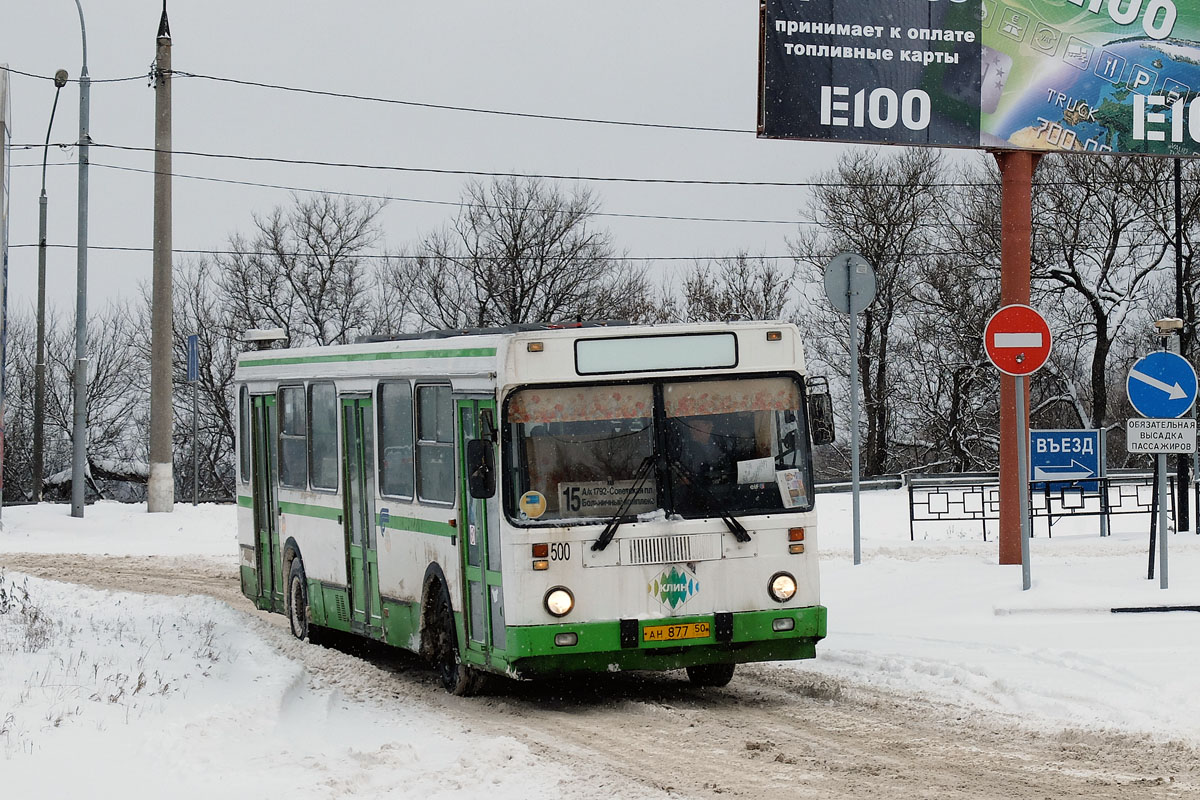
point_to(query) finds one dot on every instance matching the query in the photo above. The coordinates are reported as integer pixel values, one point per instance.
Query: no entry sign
(1017, 340)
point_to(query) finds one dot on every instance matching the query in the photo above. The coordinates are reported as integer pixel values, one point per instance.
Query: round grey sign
(850, 283)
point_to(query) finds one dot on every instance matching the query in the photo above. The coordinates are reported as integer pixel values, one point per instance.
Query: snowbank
(119, 695)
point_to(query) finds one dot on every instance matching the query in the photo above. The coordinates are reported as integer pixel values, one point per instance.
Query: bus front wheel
(710, 674)
(457, 678)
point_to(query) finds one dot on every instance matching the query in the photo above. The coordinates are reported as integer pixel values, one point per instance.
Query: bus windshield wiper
(639, 477)
(736, 528)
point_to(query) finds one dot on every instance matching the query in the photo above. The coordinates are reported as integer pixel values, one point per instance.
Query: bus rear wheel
(710, 674)
(297, 600)
(297, 606)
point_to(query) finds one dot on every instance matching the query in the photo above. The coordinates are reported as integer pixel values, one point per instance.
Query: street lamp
(79, 428)
(39, 390)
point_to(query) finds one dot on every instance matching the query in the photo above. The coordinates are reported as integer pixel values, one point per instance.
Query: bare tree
(522, 251)
(18, 409)
(393, 308)
(948, 419)
(305, 270)
(1096, 246)
(741, 287)
(1160, 195)
(117, 410)
(200, 309)
(885, 207)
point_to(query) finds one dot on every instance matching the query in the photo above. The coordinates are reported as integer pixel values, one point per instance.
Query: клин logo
(674, 587)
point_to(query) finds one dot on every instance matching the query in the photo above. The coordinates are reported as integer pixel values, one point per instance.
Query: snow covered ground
(938, 616)
(110, 694)
(103, 689)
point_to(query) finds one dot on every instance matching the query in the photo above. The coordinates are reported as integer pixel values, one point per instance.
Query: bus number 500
(560, 551)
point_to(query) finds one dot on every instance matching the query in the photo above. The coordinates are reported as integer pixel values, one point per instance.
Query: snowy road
(772, 729)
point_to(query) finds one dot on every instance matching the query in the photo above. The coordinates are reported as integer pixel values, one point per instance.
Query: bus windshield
(725, 446)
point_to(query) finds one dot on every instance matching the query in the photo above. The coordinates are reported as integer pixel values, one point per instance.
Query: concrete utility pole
(79, 423)
(160, 494)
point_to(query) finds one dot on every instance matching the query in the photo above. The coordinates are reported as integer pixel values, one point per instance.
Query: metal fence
(975, 498)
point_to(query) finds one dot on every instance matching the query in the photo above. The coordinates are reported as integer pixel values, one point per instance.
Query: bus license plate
(671, 633)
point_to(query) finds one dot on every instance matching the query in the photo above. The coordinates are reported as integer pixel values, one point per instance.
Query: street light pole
(79, 428)
(39, 386)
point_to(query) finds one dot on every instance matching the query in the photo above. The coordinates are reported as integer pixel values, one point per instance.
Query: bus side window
(293, 438)
(396, 439)
(244, 434)
(323, 452)
(435, 444)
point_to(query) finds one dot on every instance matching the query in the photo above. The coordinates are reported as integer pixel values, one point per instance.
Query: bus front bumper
(773, 635)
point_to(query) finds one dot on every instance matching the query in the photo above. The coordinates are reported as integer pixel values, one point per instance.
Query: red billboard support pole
(1016, 236)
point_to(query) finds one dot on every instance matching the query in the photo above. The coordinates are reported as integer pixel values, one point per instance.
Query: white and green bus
(539, 500)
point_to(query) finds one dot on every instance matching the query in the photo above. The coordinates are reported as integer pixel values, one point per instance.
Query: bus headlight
(782, 587)
(559, 601)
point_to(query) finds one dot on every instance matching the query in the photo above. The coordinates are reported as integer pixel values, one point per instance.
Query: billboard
(1102, 76)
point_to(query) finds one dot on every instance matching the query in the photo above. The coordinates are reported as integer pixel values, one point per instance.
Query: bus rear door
(266, 503)
(358, 457)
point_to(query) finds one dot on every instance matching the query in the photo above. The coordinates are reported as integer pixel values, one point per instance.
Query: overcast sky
(677, 62)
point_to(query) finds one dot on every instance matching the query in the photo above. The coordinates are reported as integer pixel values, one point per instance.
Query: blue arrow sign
(193, 358)
(1162, 385)
(1065, 458)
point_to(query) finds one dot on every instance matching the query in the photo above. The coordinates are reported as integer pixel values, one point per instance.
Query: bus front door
(483, 616)
(266, 503)
(358, 458)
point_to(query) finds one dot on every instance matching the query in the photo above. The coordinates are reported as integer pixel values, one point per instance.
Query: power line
(614, 259)
(409, 103)
(379, 256)
(490, 174)
(992, 184)
(457, 203)
(460, 204)
(458, 172)
(50, 78)
(451, 203)
(467, 109)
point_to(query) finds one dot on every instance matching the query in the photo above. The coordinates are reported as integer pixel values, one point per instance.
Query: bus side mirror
(820, 412)
(481, 471)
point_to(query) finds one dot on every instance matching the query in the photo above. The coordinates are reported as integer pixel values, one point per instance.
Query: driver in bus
(703, 457)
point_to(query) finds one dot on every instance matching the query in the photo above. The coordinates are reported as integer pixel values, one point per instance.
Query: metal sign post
(1162, 520)
(193, 376)
(1017, 341)
(1023, 470)
(1162, 387)
(850, 286)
